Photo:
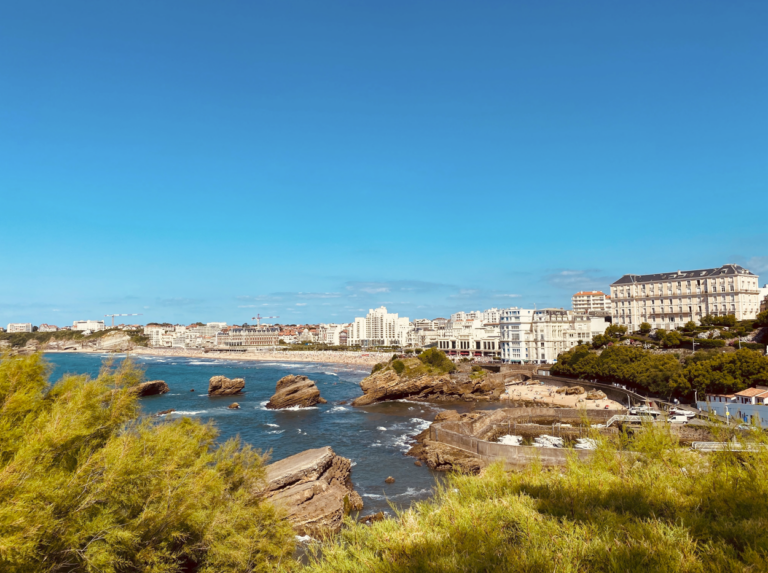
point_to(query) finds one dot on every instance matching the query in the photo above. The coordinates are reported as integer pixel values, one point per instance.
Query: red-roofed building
(592, 300)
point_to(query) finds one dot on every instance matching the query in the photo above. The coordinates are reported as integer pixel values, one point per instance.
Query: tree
(616, 331)
(645, 328)
(690, 326)
(762, 319)
(89, 485)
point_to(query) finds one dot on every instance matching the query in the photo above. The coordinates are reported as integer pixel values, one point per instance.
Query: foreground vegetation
(667, 374)
(87, 484)
(667, 509)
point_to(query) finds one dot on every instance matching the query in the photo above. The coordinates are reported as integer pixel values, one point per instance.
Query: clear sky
(196, 160)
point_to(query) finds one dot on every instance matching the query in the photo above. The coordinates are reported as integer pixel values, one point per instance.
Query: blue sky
(208, 161)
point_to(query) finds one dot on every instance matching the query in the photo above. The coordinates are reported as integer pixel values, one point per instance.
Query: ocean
(374, 437)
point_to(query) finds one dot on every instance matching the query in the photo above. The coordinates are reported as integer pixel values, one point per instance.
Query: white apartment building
(593, 300)
(540, 336)
(332, 334)
(19, 327)
(92, 325)
(669, 300)
(379, 328)
(471, 337)
(490, 316)
(180, 336)
(249, 337)
(47, 328)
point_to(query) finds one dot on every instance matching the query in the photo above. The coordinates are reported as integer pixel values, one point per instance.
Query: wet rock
(372, 518)
(192, 390)
(223, 386)
(315, 488)
(234, 406)
(292, 391)
(448, 416)
(151, 388)
(417, 463)
(390, 479)
(165, 412)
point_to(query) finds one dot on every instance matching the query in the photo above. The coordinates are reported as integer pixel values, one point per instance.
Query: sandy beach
(332, 356)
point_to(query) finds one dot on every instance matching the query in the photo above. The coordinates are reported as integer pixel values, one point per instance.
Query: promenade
(329, 356)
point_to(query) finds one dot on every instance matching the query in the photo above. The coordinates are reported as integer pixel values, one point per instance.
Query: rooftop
(725, 270)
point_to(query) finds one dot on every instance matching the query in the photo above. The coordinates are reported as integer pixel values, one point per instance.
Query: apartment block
(249, 337)
(92, 325)
(469, 337)
(669, 300)
(540, 336)
(19, 327)
(379, 328)
(591, 301)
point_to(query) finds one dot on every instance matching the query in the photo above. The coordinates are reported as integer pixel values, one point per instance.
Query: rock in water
(295, 391)
(151, 388)
(315, 488)
(164, 412)
(234, 406)
(223, 386)
(390, 479)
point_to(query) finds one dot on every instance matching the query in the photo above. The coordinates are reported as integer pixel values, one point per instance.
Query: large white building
(19, 327)
(333, 334)
(180, 336)
(92, 325)
(669, 300)
(540, 336)
(47, 328)
(471, 337)
(591, 301)
(379, 328)
(248, 337)
(490, 316)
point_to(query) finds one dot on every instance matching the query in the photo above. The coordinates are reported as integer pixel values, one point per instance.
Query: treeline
(665, 374)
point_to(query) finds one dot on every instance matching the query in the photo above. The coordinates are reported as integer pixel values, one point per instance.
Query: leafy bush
(670, 509)
(418, 351)
(89, 485)
(762, 319)
(437, 360)
(377, 367)
(710, 320)
(709, 343)
(669, 339)
(645, 328)
(398, 366)
(615, 331)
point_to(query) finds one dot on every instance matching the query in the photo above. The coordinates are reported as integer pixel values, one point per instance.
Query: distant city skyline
(190, 161)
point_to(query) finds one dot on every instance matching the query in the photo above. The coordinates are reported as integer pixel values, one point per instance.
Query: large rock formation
(315, 488)
(292, 391)
(151, 388)
(223, 386)
(115, 341)
(388, 385)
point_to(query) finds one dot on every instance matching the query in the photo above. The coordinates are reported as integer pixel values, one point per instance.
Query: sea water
(374, 437)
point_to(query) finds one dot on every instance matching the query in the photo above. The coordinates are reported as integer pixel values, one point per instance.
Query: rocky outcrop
(315, 488)
(295, 391)
(115, 341)
(570, 390)
(223, 386)
(596, 395)
(151, 388)
(442, 458)
(388, 385)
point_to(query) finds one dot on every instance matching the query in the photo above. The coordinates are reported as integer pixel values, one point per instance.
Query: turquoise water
(375, 437)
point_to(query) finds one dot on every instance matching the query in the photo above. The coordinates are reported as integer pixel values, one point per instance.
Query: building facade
(379, 328)
(92, 325)
(591, 301)
(19, 327)
(249, 337)
(669, 300)
(472, 337)
(540, 336)
(47, 328)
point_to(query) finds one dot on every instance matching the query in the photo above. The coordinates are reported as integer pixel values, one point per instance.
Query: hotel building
(669, 300)
(587, 301)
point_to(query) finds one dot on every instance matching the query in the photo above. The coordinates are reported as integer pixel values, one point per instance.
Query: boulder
(234, 406)
(448, 416)
(292, 391)
(390, 479)
(165, 412)
(570, 390)
(151, 388)
(223, 386)
(315, 488)
(596, 395)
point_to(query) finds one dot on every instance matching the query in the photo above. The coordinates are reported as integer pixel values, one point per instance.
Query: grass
(666, 509)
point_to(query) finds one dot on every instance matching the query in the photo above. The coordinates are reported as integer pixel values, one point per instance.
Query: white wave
(273, 425)
(338, 409)
(297, 408)
(410, 492)
(189, 412)
(421, 425)
(276, 431)
(330, 373)
(382, 428)
(353, 464)
(200, 363)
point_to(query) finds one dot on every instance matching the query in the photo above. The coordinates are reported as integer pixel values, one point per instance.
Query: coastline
(330, 356)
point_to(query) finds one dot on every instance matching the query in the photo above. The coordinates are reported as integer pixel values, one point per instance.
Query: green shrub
(669, 509)
(645, 328)
(762, 319)
(437, 360)
(398, 366)
(89, 485)
(709, 320)
(377, 367)
(419, 350)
